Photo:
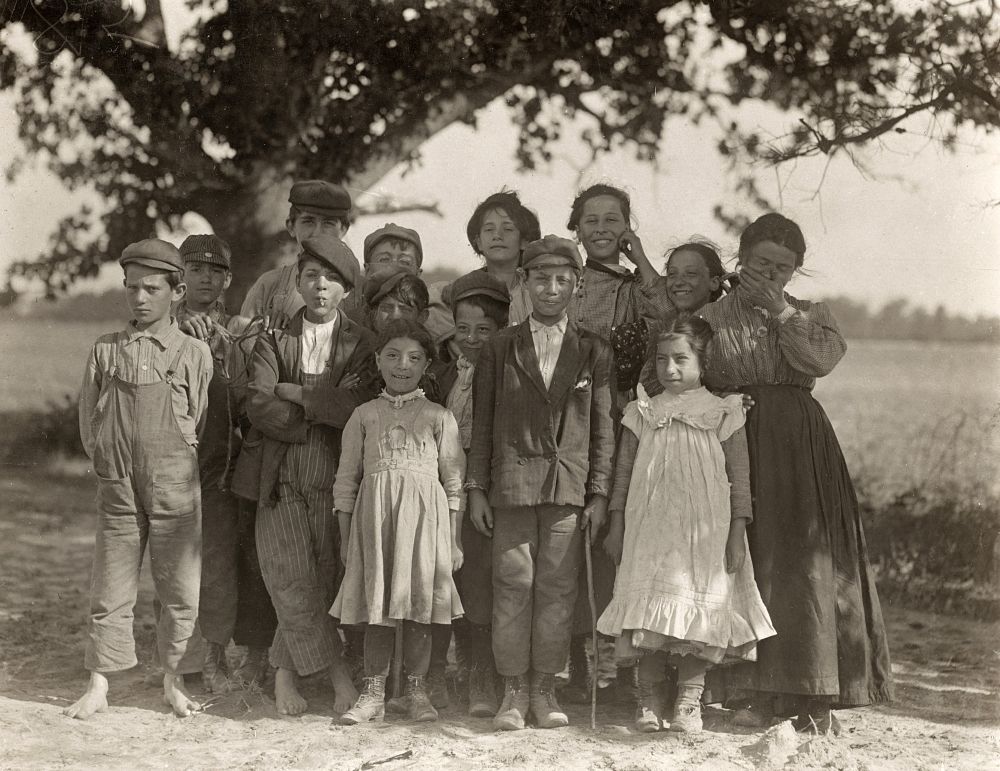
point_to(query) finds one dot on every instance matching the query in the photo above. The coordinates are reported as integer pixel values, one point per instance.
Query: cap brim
(210, 260)
(550, 261)
(493, 295)
(318, 210)
(151, 262)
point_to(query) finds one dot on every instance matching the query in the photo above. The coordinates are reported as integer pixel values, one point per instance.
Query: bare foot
(94, 699)
(286, 693)
(178, 698)
(344, 692)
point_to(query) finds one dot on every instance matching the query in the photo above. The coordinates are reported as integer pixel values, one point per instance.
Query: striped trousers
(298, 545)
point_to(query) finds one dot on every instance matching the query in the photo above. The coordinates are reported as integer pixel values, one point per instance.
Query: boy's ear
(179, 291)
(290, 227)
(228, 281)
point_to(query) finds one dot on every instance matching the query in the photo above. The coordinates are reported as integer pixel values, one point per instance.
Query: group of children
(379, 458)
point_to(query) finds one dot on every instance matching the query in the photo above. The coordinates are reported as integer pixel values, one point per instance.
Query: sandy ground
(947, 712)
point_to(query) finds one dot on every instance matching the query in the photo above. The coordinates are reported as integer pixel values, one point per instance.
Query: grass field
(906, 413)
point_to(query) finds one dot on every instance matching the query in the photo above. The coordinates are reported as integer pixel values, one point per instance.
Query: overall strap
(185, 342)
(115, 345)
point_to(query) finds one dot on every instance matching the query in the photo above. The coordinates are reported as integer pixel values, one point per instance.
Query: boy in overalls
(142, 403)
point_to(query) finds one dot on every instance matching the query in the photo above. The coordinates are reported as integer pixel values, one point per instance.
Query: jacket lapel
(348, 338)
(527, 359)
(290, 349)
(568, 363)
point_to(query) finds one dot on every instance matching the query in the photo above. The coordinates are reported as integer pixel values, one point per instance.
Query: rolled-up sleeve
(810, 340)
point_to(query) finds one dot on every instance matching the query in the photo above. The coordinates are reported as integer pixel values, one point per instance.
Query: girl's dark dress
(806, 540)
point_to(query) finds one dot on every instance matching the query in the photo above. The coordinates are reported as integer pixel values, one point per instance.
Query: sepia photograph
(488, 384)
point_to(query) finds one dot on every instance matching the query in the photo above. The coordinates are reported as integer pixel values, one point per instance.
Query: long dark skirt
(810, 560)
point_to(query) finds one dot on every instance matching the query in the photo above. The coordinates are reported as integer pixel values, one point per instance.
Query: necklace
(397, 401)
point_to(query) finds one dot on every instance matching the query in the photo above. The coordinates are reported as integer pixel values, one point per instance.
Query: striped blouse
(753, 348)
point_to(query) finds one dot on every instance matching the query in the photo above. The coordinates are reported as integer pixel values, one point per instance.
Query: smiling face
(677, 366)
(205, 283)
(602, 223)
(402, 362)
(499, 239)
(550, 289)
(308, 224)
(689, 283)
(773, 261)
(149, 294)
(473, 328)
(322, 289)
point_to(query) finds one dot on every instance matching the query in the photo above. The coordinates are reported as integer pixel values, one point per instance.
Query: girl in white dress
(685, 590)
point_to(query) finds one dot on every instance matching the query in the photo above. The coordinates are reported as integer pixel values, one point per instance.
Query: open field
(946, 714)
(904, 411)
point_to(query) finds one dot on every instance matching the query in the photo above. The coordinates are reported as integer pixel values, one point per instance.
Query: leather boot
(419, 707)
(437, 686)
(370, 705)
(482, 694)
(651, 707)
(687, 711)
(514, 709)
(545, 708)
(214, 669)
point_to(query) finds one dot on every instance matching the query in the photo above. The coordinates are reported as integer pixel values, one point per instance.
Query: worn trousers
(234, 599)
(298, 544)
(167, 519)
(536, 561)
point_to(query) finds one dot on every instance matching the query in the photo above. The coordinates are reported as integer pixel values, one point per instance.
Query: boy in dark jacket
(538, 473)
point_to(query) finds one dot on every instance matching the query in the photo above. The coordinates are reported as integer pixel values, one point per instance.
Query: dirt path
(947, 713)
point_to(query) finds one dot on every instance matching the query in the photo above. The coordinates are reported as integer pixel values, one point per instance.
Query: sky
(916, 224)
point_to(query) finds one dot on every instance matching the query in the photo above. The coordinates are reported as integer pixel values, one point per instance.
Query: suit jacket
(277, 423)
(533, 445)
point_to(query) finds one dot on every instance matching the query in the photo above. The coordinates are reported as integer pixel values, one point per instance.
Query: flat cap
(478, 283)
(206, 248)
(392, 230)
(335, 254)
(551, 251)
(382, 282)
(320, 197)
(153, 253)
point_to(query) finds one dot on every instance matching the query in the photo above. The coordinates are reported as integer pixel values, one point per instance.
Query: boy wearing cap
(298, 407)
(234, 600)
(394, 293)
(390, 247)
(538, 474)
(480, 306)
(317, 207)
(142, 405)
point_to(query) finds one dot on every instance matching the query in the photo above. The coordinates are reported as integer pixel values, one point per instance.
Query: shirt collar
(331, 324)
(537, 326)
(162, 338)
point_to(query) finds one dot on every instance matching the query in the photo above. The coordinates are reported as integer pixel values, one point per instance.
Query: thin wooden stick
(397, 661)
(593, 628)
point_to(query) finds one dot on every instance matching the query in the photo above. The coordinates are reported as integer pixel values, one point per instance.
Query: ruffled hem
(723, 628)
(634, 643)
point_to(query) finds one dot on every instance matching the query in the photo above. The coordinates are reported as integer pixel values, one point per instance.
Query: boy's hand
(736, 548)
(480, 512)
(350, 380)
(615, 541)
(278, 320)
(198, 325)
(595, 513)
(289, 392)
